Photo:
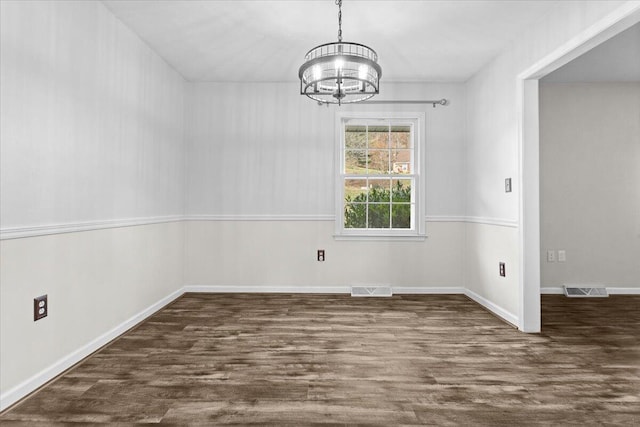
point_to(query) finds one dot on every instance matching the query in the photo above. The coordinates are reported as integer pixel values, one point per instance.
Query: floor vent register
(371, 291)
(585, 291)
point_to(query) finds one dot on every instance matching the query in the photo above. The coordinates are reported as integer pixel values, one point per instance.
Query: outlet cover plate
(40, 307)
(551, 256)
(562, 255)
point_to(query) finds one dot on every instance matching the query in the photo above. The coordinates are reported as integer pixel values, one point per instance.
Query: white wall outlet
(551, 256)
(562, 255)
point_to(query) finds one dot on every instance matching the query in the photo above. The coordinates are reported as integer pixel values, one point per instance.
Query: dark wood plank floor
(239, 359)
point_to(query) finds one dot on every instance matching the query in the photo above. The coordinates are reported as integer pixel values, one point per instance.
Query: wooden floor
(240, 359)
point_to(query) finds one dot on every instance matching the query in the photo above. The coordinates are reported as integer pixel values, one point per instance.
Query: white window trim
(419, 232)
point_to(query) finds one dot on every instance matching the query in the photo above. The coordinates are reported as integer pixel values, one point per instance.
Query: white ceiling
(615, 60)
(267, 40)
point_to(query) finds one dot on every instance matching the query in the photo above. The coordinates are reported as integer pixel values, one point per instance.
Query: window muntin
(379, 180)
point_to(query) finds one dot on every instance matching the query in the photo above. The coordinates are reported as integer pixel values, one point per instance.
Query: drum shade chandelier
(340, 72)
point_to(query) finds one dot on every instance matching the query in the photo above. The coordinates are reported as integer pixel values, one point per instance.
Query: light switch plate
(507, 185)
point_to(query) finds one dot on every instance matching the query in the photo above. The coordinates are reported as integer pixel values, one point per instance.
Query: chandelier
(340, 72)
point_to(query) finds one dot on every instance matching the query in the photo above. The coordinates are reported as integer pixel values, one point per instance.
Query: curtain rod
(442, 101)
(417, 101)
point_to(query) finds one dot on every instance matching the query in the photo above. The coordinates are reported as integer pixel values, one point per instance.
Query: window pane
(355, 215)
(379, 191)
(355, 190)
(378, 161)
(401, 137)
(355, 161)
(378, 137)
(355, 137)
(379, 215)
(401, 215)
(401, 191)
(401, 161)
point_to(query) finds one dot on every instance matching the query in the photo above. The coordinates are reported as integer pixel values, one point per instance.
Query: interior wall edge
(30, 385)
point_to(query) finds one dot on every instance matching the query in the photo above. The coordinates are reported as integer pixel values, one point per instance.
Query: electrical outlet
(562, 255)
(551, 256)
(40, 307)
(321, 255)
(507, 185)
(503, 270)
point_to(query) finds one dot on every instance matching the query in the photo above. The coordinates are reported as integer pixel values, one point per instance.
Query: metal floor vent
(371, 291)
(585, 292)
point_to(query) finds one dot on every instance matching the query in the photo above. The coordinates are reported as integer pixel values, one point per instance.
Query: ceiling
(615, 60)
(265, 41)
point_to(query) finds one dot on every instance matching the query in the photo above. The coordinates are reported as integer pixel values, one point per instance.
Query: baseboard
(494, 308)
(253, 289)
(552, 290)
(30, 385)
(410, 290)
(613, 290)
(315, 289)
(623, 291)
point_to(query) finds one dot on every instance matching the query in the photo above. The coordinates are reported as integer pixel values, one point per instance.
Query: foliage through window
(379, 176)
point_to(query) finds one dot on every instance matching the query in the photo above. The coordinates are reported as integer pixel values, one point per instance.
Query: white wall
(282, 255)
(590, 183)
(91, 124)
(492, 139)
(91, 118)
(262, 152)
(95, 281)
(262, 149)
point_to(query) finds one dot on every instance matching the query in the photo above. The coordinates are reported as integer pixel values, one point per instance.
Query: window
(379, 184)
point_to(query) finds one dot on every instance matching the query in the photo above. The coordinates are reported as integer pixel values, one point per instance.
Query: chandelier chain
(339, 3)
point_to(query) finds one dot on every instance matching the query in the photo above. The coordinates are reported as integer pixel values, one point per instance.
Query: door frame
(529, 147)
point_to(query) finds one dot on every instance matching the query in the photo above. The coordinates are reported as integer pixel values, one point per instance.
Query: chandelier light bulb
(363, 71)
(317, 72)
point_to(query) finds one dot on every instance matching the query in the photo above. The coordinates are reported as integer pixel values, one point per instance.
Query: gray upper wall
(615, 60)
